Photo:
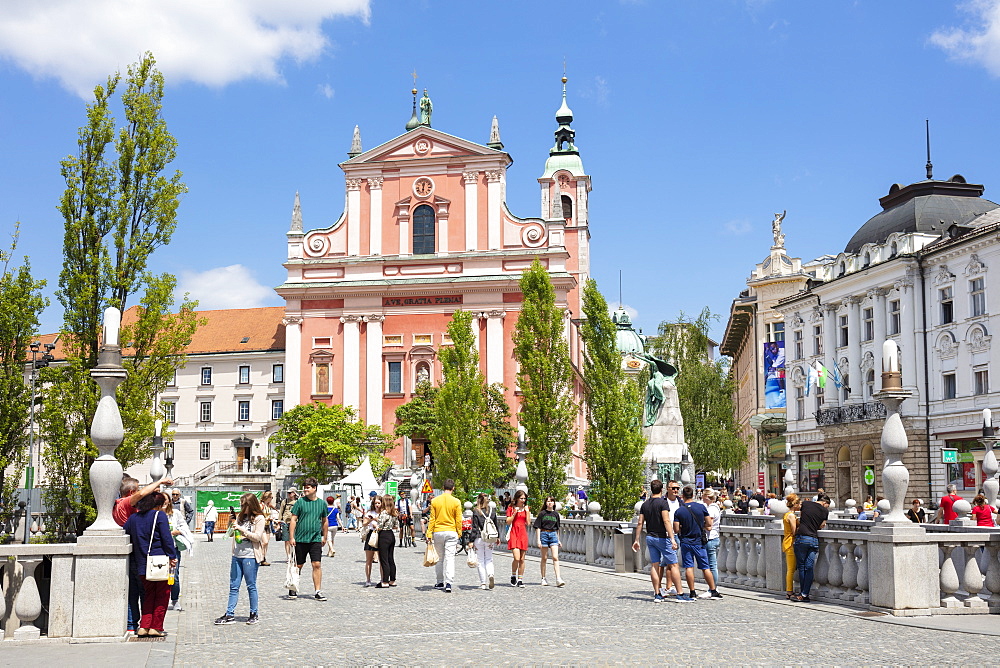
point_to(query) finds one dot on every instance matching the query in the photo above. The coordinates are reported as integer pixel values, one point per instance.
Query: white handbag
(157, 565)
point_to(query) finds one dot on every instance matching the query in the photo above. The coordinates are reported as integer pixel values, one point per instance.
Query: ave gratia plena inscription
(422, 301)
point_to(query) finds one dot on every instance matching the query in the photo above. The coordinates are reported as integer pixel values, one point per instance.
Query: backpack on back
(490, 533)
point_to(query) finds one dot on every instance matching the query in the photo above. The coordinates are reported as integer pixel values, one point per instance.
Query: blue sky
(696, 120)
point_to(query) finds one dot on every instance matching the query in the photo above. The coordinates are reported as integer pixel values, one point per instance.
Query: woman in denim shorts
(547, 532)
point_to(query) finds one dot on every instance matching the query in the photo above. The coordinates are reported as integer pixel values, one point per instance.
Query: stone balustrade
(583, 542)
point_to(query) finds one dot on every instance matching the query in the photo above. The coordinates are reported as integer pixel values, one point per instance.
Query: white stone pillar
(494, 346)
(853, 370)
(830, 397)
(374, 384)
(352, 360)
(475, 331)
(471, 180)
(293, 360)
(441, 233)
(879, 328)
(354, 216)
(404, 232)
(375, 216)
(908, 334)
(493, 202)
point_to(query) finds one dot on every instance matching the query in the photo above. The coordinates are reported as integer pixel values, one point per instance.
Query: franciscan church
(426, 231)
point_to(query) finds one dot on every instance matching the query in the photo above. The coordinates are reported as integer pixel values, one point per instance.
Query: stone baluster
(721, 558)
(732, 555)
(762, 562)
(992, 577)
(835, 575)
(741, 561)
(862, 550)
(821, 573)
(949, 578)
(972, 578)
(751, 546)
(849, 577)
(28, 602)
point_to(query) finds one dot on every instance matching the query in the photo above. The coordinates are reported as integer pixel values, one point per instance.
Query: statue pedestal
(905, 562)
(101, 585)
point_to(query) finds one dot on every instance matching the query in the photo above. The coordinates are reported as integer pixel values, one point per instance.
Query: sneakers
(715, 594)
(668, 592)
(447, 588)
(225, 619)
(705, 595)
(492, 582)
(560, 583)
(254, 619)
(545, 583)
(292, 593)
(439, 585)
(170, 606)
(513, 580)
(658, 598)
(684, 598)
(369, 583)
(520, 583)
(319, 596)
(484, 586)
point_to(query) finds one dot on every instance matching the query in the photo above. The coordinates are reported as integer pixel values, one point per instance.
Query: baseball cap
(292, 489)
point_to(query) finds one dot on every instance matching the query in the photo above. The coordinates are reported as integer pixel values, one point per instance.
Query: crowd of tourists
(680, 528)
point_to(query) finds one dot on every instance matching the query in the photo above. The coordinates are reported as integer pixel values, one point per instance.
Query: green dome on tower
(628, 341)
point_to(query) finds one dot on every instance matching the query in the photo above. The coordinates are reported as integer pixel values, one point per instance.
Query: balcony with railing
(870, 410)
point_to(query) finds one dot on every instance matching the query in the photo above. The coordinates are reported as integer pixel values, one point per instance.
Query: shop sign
(813, 466)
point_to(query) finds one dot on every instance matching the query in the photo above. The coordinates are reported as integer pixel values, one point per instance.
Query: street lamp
(29, 473)
(168, 458)
(685, 463)
(156, 466)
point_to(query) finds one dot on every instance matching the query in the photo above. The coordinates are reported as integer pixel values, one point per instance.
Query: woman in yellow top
(789, 522)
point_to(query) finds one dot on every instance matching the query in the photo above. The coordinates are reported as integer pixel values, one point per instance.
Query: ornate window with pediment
(423, 230)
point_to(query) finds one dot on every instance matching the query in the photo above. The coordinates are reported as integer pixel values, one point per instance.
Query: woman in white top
(484, 547)
(367, 526)
(183, 543)
(708, 498)
(211, 515)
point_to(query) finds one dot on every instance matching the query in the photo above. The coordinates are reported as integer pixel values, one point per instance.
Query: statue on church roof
(779, 238)
(426, 109)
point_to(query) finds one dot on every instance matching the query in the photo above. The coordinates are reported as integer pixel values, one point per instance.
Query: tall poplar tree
(21, 301)
(613, 441)
(545, 376)
(705, 391)
(463, 445)
(119, 206)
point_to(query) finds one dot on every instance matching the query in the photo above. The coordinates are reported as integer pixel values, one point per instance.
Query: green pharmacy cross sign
(869, 475)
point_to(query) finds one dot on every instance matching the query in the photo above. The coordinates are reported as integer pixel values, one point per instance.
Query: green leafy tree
(500, 431)
(463, 445)
(545, 376)
(417, 417)
(705, 391)
(327, 440)
(119, 206)
(613, 443)
(21, 301)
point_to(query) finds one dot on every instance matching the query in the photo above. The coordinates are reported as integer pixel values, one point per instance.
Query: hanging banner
(774, 374)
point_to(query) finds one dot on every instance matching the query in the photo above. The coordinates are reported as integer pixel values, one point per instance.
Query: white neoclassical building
(916, 273)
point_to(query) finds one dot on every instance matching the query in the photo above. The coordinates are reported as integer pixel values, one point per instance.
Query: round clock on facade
(423, 187)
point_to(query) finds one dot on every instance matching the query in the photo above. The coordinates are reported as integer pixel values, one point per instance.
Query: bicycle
(406, 535)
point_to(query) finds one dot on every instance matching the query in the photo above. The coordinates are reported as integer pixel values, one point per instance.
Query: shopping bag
(472, 561)
(430, 555)
(292, 575)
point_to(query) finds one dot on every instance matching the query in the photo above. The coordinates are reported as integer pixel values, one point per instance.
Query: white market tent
(362, 476)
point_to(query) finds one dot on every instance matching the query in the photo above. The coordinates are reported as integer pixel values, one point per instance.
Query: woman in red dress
(518, 519)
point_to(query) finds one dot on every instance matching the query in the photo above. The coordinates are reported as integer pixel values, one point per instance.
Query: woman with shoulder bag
(484, 541)
(149, 531)
(248, 538)
(386, 526)
(367, 532)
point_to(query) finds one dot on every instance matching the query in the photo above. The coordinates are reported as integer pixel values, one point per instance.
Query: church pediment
(422, 143)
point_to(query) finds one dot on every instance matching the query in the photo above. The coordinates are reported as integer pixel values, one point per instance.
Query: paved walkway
(598, 618)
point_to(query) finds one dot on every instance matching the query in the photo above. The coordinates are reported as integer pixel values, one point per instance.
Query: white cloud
(737, 227)
(632, 313)
(326, 90)
(979, 42)
(224, 287)
(208, 42)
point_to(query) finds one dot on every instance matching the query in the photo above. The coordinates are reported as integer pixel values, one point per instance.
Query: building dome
(627, 339)
(928, 207)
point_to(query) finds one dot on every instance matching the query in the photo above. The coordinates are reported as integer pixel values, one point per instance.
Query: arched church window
(567, 207)
(423, 230)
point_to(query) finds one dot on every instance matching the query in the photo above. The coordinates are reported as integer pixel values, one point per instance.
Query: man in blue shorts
(691, 521)
(654, 515)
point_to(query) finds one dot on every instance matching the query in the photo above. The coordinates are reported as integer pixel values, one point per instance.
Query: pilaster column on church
(352, 360)
(494, 345)
(879, 316)
(908, 336)
(854, 348)
(476, 317)
(580, 214)
(471, 181)
(354, 216)
(442, 232)
(375, 215)
(374, 383)
(830, 397)
(293, 360)
(404, 232)
(493, 203)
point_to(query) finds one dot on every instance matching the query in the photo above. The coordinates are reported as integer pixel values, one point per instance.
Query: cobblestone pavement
(597, 618)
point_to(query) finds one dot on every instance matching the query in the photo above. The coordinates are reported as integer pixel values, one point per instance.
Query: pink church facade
(426, 231)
